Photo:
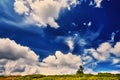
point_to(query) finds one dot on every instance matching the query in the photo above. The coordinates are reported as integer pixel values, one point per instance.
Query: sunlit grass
(103, 76)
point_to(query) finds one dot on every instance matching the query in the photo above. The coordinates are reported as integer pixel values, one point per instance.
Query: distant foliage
(80, 70)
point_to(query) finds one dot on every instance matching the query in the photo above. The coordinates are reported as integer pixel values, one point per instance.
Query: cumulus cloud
(23, 8)
(45, 12)
(104, 53)
(116, 49)
(16, 59)
(10, 50)
(42, 12)
(38, 12)
(62, 63)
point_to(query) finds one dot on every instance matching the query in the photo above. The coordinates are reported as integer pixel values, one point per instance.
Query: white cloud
(62, 60)
(87, 59)
(69, 41)
(42, 12)
(89, 71)
(74, 40)
(61, 63)
(96, 55)
(38, 12)
(14, 57)
(104, 47)
(113, 37)
(23, 9)
(98, 3)
(104, 50)
(87, 24)
(10, 50)
(104, 53)
(115, 72)
(115, 61)
(116, 49)
(82, 42)
(74, 24)
(20, 60)
(112, 72)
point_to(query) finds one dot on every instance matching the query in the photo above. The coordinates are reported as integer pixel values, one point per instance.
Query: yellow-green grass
(64, 77)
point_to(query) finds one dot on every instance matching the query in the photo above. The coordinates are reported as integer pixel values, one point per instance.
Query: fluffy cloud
(104, 47)
(20, 60)
(104, 53)
(14, 57)
(116, 49)
(10, 50)
(39, 12)
(61, 63)
(42, 12)
(45, 12)
(23, 8)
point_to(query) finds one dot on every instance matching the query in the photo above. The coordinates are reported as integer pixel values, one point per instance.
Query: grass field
(64, 77)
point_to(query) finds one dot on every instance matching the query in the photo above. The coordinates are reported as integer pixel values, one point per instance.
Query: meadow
(100, 76)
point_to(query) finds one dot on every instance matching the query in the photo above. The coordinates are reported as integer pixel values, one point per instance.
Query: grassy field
(64, 77)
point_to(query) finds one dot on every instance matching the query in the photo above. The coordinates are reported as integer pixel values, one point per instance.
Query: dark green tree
(80, 70)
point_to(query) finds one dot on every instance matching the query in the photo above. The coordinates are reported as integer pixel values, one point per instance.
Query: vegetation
(80, 70)
(100, 76)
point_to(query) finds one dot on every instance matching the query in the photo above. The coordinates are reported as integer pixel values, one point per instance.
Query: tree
(80, 70)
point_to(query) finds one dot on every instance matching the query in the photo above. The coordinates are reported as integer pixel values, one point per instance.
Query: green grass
(100, 76)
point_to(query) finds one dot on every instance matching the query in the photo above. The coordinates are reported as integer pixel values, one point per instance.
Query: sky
(57, 36)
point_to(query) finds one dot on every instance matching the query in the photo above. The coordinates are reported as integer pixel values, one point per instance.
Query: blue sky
(55, 37)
